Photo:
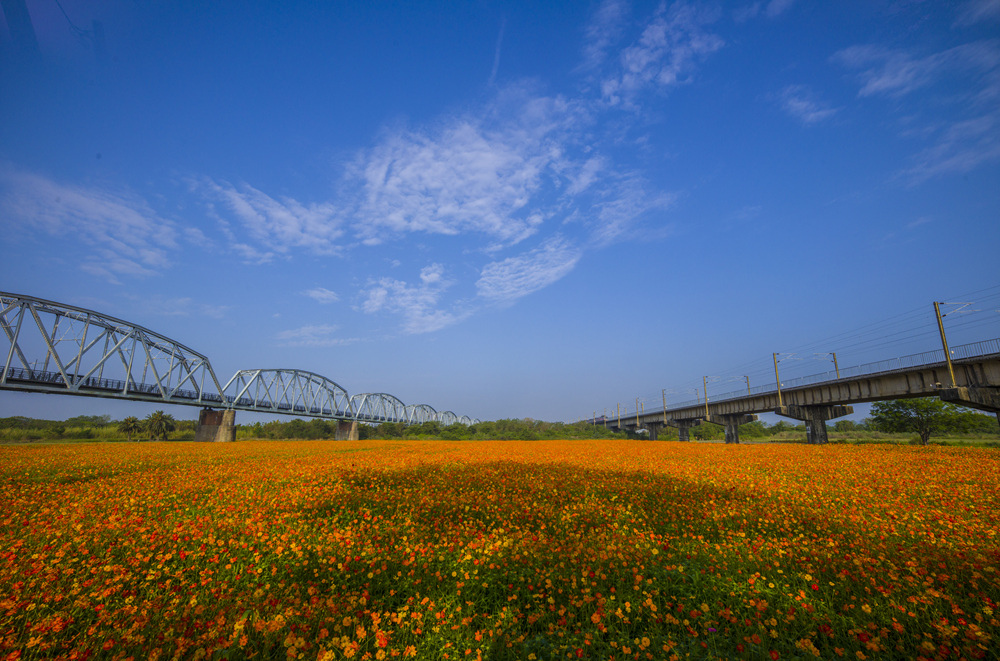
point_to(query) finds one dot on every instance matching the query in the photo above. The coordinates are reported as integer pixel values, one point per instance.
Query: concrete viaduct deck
(976, 385)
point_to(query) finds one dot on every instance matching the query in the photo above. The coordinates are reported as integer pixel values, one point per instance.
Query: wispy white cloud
(322, 295)
(961, 147)
(772, 9)
(252, 255)
(604, 29)
(515, 277)
(776, 8)
(515, 167)
(977, 11)
(178, 306)
(746, 213)
(584, 174)
(622, 207)
(281, 224)
(321, 335)
(417, 304)
(125, 236)
(496, 53)
(800, 103)
(896, 72)
(960, 127)
(468, 175)
(666, 53)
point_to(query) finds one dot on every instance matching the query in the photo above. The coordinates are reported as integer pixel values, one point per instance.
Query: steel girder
(378, 407)
(288, 391)
(447, 418)
(64, 349)
(419, 413)
(57, 348)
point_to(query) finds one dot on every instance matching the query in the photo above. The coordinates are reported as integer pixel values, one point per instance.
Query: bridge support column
(654, 430)
(684, 427)
(815, 418)
(732, 422)
(983, 398)
(347, 430)
(216, 426)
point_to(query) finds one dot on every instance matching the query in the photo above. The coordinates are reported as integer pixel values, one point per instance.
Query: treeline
(525, 429)
(920, 417)
(97, 428)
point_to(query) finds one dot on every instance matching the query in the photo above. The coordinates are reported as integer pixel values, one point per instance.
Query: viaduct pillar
(216, 426)
(684, 426)
(815, 418)
(654, 430)
(347, 430)
(732, 422)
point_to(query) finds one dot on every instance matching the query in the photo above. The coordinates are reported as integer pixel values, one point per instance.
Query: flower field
(498, 550)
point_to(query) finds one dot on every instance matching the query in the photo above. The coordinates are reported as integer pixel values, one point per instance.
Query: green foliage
(525, 429)
(755, 429)
(780, 426)
(708, 432)
(845, 426)
(887, 420)
(88, 421)
(159, 424)
(130, 426)
(927, 416)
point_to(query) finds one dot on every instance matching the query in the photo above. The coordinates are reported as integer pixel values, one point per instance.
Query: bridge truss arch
(64, 349)
(288, 391)
(378, 407)
(420, 413)
(447, 418)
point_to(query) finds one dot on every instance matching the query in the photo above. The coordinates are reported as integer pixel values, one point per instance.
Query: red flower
(774, 655)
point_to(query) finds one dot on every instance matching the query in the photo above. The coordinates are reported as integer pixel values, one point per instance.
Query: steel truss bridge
(63, 349)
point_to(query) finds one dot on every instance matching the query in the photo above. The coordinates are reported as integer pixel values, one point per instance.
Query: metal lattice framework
(419, 413)
(56, 348)
(77, 351)
(288, 391)
(447, 418)
(378, 407)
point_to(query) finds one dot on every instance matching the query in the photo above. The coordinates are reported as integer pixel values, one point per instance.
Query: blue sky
(508, 209)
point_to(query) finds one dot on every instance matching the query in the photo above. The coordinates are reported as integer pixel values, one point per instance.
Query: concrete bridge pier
(216, 426)
(983, 398)
(654, 430)
(732, 422)
(683, 426)
(815, 418)
(347, 430)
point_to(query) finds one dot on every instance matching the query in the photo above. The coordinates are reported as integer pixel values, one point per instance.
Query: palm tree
(130, 426)
(159, 424)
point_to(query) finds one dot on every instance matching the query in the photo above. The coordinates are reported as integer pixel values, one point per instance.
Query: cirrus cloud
(127, 237)
(515, 277)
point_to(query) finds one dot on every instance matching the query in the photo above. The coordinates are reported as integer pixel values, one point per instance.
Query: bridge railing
(961, 352)
(41, 377)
